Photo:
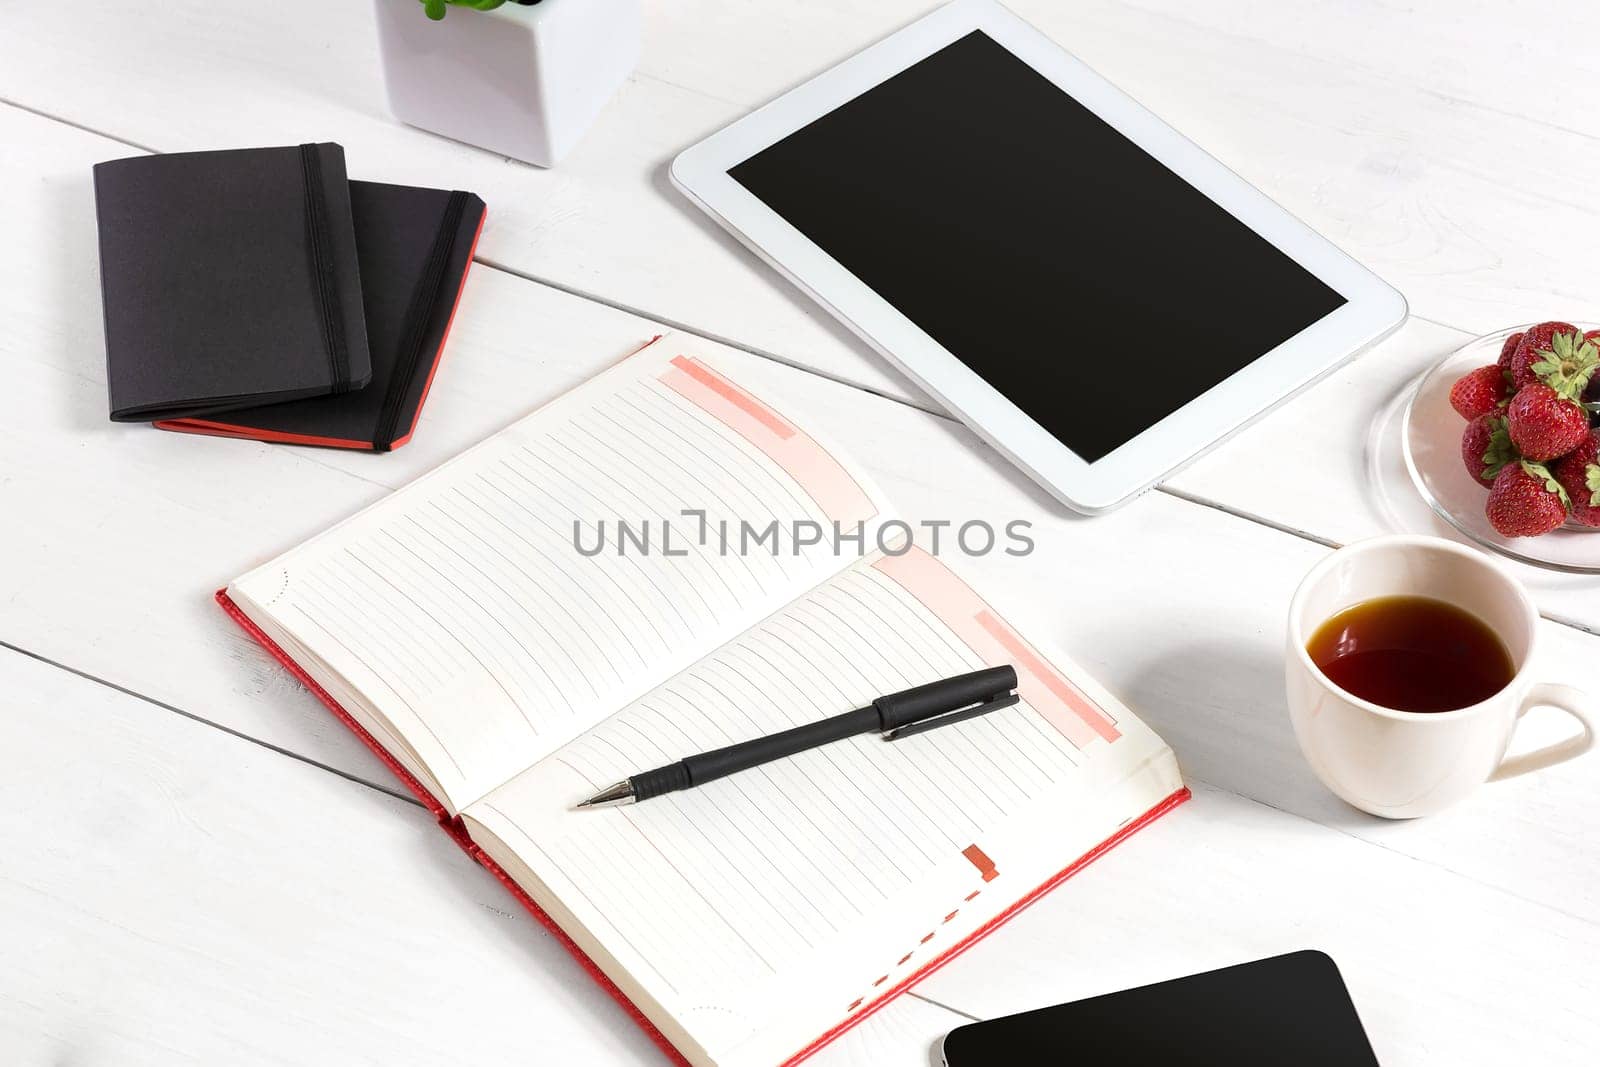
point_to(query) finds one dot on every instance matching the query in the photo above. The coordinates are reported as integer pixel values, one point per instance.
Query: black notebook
(229, 279)
(415, 247)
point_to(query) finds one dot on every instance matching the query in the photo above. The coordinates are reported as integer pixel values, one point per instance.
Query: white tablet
(1091, 293)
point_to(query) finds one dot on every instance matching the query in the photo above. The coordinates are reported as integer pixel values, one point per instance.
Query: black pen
(912, 711)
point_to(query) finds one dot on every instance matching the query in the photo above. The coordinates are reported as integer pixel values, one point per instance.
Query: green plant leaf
(1568, 364)
(1499, 451)
(435, 9)
(1541, 472)
(1591, 478)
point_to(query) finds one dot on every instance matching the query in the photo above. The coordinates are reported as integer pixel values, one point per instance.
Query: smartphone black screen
(1291, 1009)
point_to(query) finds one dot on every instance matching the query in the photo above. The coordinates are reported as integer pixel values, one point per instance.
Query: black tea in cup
(1412, 653)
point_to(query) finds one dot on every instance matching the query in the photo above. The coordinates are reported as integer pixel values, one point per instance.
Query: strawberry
(1579, 474)
(1534, 341)
(1508, 350)
(1480, 391)
(1561, 358)
(1591, 395)
(1544, 424)
(1526, 501)
(1486, 447)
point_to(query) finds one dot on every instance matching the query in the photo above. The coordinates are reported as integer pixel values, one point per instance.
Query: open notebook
(506, 674)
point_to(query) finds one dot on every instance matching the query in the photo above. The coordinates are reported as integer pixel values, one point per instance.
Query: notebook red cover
(454, 827)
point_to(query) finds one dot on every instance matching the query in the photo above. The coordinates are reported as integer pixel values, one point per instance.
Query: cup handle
(1574, 702)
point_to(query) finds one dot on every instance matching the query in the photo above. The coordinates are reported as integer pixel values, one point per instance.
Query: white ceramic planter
(524, 81)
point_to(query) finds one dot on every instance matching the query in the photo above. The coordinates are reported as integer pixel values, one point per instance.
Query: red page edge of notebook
(452, 827)
(211, 428)
(457, 832)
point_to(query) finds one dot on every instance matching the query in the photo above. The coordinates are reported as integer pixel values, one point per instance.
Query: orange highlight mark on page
(818, 474)
(1063, 689)
(980, 860)
(1057, 700)
(734, 395)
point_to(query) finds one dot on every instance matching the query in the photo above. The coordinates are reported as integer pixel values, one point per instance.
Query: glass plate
(1430, 438)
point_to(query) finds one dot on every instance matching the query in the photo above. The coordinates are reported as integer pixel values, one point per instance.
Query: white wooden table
(200, 866)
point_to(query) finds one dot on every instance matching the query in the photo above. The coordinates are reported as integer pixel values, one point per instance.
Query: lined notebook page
(463, 610)
(840, 871)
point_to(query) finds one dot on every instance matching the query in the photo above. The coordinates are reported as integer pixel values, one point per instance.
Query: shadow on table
(1234, 732)
(75, 344)
(509, 937)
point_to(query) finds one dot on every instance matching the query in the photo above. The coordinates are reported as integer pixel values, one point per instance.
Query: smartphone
(1287, 1009)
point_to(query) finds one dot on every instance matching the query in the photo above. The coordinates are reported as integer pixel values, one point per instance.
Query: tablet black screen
(1093, 287)
(1287, 1010)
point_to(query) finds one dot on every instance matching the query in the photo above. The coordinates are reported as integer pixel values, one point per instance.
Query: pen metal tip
(611, 794)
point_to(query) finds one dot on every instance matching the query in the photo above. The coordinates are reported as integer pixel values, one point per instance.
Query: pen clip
(946, 718)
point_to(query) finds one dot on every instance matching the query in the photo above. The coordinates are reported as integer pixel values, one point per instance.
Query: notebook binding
(423, 300)
(320, 239)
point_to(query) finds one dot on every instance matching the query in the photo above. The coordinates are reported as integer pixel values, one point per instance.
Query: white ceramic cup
(1401, 764)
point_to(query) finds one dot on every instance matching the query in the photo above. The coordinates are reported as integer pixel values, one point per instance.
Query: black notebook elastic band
(423, 302)
(322, 270)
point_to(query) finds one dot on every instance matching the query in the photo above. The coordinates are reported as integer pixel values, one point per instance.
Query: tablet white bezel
(1373, 308)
